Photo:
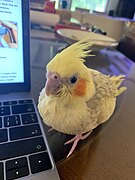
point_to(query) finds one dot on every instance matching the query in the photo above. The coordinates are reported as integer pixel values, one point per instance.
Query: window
(56, 4)
(92, 5)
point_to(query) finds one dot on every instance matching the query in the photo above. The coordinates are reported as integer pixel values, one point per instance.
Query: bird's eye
(73, 79)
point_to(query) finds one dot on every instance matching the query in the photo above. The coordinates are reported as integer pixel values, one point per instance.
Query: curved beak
(53, 84)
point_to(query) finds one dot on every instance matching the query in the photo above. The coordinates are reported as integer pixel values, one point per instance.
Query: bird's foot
(75, 141)
(50, 130)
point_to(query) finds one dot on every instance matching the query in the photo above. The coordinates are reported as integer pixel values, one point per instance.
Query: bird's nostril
(55, 77)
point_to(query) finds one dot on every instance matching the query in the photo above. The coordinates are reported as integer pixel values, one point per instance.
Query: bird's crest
(71, 59)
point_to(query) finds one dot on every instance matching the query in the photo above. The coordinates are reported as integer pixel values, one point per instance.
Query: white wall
(112, 5)
(113, 26)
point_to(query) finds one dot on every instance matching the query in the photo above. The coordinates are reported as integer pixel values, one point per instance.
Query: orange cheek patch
(80, 88)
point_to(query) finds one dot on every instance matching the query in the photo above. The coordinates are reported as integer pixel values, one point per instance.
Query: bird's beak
(53, 84)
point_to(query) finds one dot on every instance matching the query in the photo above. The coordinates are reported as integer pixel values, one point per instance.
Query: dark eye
(73, 79)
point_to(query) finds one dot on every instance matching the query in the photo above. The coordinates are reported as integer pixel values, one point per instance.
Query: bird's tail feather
(117, 80)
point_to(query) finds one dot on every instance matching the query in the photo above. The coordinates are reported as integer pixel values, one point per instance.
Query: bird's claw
(75, 141)
(50, 130)
(70, 141)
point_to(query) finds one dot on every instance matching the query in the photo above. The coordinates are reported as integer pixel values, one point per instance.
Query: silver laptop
(24, 151)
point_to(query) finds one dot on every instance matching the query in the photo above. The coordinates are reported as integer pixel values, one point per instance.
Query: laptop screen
(11, 43)
(14, 44)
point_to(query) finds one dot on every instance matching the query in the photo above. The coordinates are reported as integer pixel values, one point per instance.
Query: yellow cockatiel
(77, 99)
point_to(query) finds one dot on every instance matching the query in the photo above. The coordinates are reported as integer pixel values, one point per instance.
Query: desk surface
(109, 152)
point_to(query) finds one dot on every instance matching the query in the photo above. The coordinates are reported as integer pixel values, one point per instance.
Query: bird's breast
(67, 118)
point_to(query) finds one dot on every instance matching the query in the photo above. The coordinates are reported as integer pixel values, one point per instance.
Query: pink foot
(50, 130)
(75, 141)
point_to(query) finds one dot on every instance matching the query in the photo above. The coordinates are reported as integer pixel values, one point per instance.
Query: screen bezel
(25, 86)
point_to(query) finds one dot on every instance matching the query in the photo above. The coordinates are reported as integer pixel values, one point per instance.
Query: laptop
(24, 151)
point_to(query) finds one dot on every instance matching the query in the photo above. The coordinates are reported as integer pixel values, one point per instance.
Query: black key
(4, 110)
(9, 102)
(0, 103)
(25, 108)
(25, 101)
(29, 118)
(3, 135)
(40, 162)
(17, 173)
(1, 171)
(20, 148)
(16, 163)
(24, 132)
(0, 122)
(12, 121)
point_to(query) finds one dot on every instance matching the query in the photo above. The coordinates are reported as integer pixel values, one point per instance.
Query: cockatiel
(77, 99)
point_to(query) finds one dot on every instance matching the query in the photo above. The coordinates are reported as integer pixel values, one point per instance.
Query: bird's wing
(102, 104)
(108, 85)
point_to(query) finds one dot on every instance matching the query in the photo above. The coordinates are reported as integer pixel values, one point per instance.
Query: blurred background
(120, 8)
(113, 18)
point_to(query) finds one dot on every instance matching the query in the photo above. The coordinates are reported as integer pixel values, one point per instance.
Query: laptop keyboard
(22, 147)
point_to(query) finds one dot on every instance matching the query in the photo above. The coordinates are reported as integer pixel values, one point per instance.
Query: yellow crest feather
(71, 59)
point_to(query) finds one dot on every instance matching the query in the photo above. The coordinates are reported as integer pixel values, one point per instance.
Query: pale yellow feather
(75, 114)
(71, 59)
